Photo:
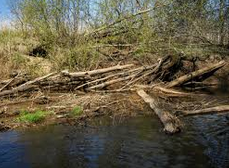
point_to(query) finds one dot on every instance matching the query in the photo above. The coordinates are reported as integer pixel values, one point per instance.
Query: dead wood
(96, 72)
(126, 73)
(111, 82)
(16, 90)
(171, 92)
(199, 73)
(171, 123)
(155, 69)
(8, 83)
(211, 110)
(26, 86)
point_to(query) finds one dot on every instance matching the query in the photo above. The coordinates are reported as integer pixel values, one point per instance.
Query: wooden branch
(171, 123)
(96, 72)
(171, 92)
(115, 75)
(9, 82)
(26, 86)
(111, 82)
(18, 89)
(155, 67)
(118, 21)
(37, 80)
(212, 110)
(186, 78)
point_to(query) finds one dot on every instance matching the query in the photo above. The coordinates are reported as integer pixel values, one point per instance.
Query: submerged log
(171, 123)
(211, 110)
(202, 72)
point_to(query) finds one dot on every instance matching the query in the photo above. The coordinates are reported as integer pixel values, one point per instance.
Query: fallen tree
(204, 73)
(123, 78)
(171, 123)
(211, 110)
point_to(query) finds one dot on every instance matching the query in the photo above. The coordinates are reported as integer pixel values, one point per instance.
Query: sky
(4, 13)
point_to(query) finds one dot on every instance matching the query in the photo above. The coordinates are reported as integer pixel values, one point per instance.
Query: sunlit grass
(77, 111)
(35, 117)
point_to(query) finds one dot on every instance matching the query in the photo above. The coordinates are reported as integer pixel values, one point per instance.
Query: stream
(108, 143)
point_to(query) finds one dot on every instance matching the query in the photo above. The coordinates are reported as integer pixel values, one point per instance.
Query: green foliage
(65, 28)
(77, 111)
(35, 117)
(82, 56)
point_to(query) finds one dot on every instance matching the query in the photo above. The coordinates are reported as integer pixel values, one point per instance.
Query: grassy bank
(16, 49)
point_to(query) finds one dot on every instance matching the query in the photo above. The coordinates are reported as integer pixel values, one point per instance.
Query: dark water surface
(105, 143)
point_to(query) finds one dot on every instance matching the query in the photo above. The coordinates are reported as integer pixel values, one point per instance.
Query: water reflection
(134, 143)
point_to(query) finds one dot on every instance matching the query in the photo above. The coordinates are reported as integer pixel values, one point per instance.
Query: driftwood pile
(160, 77)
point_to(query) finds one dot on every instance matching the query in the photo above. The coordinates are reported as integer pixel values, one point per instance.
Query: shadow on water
(133, 143)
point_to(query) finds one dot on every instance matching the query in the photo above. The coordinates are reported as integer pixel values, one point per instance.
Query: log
(171, 123)
(26, 86)
(37, 80)
(102, 85)
(166, 91)
(186, 78)
(211, 110)
(96, 72)
(108, 83)
(109, 77)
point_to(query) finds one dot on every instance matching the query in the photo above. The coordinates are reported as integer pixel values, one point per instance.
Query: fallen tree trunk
(211, 110)
(126, 73)
(171, 123)
(16, 90)
(26, 86)
(186, 78)
(96, 72)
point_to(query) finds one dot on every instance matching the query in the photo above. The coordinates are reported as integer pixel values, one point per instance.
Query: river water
(106, 143)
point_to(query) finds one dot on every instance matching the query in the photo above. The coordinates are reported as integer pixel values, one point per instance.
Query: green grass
(35, 117)
(76, 111)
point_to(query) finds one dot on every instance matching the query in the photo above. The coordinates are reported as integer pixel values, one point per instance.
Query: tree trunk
(171, 123)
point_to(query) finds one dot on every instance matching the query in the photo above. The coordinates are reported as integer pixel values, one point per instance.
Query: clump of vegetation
(35, 117)
(83, 35)
(76, 111)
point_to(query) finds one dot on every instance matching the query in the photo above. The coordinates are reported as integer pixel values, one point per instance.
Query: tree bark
(96, 72)
(212, 110)
(186, 78)
(171, 123)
